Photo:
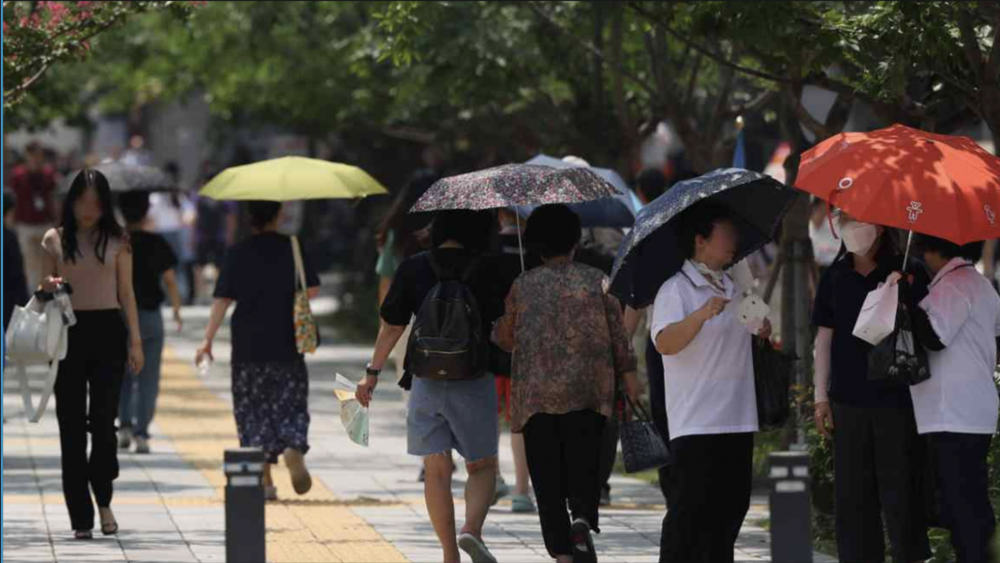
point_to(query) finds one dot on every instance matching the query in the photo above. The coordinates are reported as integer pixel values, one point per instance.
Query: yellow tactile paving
(315, 528)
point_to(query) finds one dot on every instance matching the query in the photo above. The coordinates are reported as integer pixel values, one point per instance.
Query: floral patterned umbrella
(512, 185)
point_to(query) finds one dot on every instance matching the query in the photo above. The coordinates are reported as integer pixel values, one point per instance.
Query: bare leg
(479, 491)
(198, 281)
(440, 505)
(520, 464)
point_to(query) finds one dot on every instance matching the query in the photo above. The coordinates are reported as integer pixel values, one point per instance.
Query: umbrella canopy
(651, 253)
(125, 177)
(939, 185)
(512, 185)
(617, 212)
(292, 178)
(612, 177)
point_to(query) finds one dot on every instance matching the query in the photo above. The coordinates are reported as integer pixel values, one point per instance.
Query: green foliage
(37, 35)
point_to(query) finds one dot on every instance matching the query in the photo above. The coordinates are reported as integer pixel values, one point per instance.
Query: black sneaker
(583, 543)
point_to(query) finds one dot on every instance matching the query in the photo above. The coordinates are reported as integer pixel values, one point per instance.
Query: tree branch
(802, 114)
(591, 49)
(692, 80)
(839, 113)
(970, 43)
(17, 91)
(719, 113)
(753, 105)
(704, 51)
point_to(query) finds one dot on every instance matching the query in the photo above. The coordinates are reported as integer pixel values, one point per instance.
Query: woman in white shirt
(709, 393)
(956, 409)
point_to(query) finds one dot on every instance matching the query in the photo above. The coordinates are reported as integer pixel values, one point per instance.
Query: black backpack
(446, 340)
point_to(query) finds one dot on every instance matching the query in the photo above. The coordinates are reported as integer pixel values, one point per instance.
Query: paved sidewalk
(365, 506)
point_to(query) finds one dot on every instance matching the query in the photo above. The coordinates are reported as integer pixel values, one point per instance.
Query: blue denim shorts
(453, 415)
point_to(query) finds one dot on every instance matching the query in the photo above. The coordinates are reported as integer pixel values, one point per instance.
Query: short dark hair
(472, 229)
(134, 206)
(947, 249)
(652, 183)
(553, 230)
(262, 213)
(33, 147)
(700, 219)
(9, 201)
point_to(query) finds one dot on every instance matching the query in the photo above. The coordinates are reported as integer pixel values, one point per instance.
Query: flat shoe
(296, 463)
(475, 548)
(83, 535)
(109, 528)
(522, 504)
(583, 542)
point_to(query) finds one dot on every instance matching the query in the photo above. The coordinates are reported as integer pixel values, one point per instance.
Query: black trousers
(102, 383)
(960, 463)
(878, 467)
(609, 451)
(710, 482)
(564, 453)
(658, 404)
(93, 369)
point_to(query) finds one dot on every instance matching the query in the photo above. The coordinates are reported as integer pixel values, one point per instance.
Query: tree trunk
(628, 128)
(797, 257)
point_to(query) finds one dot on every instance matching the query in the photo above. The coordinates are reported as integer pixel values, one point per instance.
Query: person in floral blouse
(570, 353)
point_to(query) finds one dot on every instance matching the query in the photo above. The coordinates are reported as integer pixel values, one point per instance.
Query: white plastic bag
(878, 314)
(352, 414)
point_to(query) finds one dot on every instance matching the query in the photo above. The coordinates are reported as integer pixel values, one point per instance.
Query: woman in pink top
(91, 253)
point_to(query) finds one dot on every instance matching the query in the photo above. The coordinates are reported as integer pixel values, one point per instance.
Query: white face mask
(858, 237)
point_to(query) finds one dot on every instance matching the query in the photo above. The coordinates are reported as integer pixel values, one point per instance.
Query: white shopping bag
(752, 312)
(352, 414)
(878, 315)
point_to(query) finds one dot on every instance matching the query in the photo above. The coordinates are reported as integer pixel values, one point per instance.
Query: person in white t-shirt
(709, 393)
(956, 409)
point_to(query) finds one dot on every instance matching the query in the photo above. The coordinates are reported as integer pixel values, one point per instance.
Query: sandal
(109, 526)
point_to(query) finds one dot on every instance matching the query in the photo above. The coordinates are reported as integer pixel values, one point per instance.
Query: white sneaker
(141, 445)
(124, 438)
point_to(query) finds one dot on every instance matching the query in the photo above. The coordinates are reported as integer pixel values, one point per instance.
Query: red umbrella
(939, 185)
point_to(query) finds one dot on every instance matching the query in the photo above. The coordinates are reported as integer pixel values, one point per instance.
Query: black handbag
(772, 381)
(900, 359)
(642, 446)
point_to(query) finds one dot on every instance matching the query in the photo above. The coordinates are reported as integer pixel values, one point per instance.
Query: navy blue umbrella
(651, 253)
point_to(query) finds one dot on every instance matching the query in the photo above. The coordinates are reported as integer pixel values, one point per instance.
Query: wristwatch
(369, 370)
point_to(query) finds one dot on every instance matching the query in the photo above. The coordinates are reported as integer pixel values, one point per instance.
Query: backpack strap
(441, 275)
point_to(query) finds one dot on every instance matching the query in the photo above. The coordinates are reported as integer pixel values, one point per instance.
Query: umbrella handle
(520, 245)
(906, 256)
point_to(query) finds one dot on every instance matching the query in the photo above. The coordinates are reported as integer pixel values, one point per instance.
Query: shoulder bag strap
(300, 270)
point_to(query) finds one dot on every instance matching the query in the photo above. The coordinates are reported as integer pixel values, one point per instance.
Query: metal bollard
(245, 527)
(791, 511)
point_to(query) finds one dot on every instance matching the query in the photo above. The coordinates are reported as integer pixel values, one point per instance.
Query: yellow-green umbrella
(292, 178)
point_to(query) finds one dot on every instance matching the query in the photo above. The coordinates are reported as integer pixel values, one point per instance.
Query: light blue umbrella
(618, 212)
